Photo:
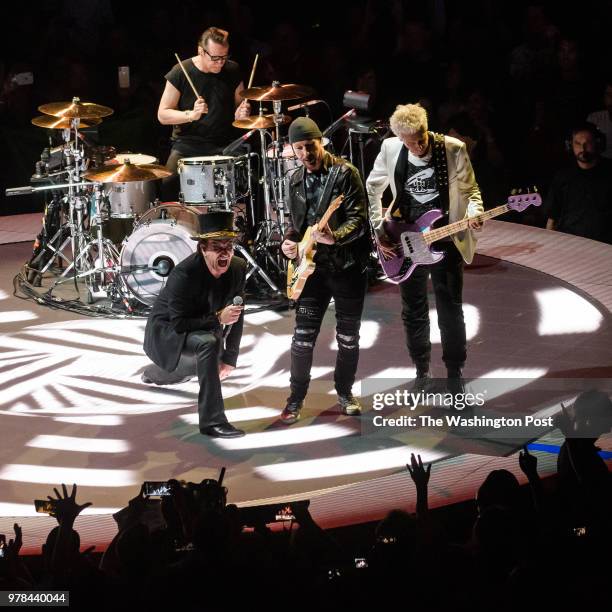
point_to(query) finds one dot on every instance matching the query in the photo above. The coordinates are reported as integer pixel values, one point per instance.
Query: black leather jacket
(349, 224)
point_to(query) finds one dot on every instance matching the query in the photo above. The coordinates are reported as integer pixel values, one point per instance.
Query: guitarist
(427, 171)
(343, 247)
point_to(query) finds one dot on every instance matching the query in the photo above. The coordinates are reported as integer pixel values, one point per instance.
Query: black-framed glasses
(217, 58)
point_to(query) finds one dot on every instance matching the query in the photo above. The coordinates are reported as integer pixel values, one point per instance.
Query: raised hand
(418, 473)
(528, 463)
(65, 508)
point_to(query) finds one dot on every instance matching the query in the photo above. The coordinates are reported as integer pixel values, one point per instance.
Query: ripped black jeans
(348, 288)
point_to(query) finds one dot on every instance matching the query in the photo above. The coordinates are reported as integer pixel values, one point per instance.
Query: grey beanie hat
(303, 128)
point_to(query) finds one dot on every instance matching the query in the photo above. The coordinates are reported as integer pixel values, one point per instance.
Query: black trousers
(200, 357)
(447, 280)
(348, 288)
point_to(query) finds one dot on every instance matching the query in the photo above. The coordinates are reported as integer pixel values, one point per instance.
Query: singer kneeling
(200, 307)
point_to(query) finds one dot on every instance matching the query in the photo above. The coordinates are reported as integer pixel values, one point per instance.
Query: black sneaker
(349, 405)
(422, 383)
(291, 413)
(455, 385)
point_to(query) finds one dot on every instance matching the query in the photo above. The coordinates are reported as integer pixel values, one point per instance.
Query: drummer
(203, 126)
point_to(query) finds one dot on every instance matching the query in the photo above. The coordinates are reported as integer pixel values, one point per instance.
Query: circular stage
(73, 409)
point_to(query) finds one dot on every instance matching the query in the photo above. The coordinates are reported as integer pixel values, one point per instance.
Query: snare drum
(128, 200)
(162, 236)
(205, 180)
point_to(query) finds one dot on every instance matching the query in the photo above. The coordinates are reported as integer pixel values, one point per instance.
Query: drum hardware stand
(106, 257)
(254, 266)
(360, 135)
(264, 239)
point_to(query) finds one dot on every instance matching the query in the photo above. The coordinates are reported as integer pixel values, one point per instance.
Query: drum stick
(253, 72)
(196, 94)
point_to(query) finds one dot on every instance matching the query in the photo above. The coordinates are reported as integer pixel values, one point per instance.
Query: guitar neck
(460, 226)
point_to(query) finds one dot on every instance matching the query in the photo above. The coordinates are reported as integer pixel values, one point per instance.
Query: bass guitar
(414, 240)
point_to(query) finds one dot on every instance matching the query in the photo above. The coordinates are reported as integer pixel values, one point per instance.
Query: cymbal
(56, 123)
(127, 173)
(76, 108)
(259, 122)
(276, 91)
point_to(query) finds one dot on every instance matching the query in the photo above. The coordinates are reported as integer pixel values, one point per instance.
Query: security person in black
(343, 247)
(184, 332)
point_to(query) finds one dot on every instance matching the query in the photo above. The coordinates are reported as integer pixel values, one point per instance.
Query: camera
(157, 488)
(44, 506)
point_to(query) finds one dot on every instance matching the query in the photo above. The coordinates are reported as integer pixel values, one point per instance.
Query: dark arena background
(324, 510)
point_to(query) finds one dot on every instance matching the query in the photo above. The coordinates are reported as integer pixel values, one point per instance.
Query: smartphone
(156, 488)
(43, 506)
(2, 545)
(580, 531)
(361, 563)
(284, 513)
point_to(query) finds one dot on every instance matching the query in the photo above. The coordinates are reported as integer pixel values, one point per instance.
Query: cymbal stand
(254, 266)
(279, 178)
(99, 255)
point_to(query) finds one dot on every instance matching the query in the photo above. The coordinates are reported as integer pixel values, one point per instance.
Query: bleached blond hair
(408, 119)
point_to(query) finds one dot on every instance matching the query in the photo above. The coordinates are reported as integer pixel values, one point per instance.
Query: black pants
(348, 288)
(447, 280)
(200, 357)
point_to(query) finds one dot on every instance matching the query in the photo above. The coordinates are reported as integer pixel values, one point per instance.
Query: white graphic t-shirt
(420, 192)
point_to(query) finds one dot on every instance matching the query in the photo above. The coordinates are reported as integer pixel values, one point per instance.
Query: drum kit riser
(107, 192)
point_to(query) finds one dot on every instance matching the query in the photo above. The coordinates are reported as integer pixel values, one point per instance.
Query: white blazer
(463, 193)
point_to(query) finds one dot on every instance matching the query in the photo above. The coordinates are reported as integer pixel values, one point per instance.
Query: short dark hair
(217, 35)
(586, 126)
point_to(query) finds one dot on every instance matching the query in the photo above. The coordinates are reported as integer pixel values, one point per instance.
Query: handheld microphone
(234, 145)
(309, 103)
(237, 301)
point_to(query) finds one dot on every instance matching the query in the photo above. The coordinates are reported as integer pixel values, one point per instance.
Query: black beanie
(303, 128)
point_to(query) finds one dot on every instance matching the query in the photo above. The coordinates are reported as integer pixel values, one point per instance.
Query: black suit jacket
(189, 303)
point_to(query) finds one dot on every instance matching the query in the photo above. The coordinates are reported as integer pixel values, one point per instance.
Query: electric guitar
(415, 238)
(300, 268)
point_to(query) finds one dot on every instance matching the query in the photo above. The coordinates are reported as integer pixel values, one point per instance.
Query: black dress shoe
(291, 413)
(224, 430)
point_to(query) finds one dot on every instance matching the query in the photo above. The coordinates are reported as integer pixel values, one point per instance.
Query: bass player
(427, 171)
(343, 247)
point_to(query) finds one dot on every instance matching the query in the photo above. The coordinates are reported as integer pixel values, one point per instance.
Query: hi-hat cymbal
(56, 123)
(127, 173)
(276, 91)
(259, 122)
(76, 108)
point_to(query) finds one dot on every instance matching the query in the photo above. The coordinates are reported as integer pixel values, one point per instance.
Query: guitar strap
(440, 164)
(326, 193)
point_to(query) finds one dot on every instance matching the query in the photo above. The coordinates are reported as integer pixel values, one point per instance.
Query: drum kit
(105, 226)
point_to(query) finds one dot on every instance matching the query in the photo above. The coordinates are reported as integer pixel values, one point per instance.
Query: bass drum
(160, 241)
